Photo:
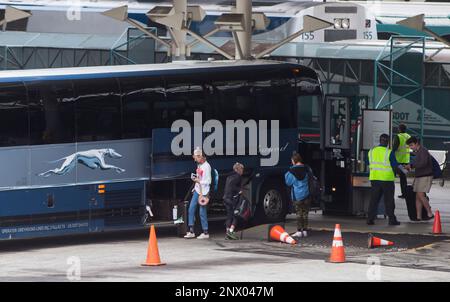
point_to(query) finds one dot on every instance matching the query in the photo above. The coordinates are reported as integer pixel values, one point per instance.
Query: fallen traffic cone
(337, 250)
(277, 233)
(375, 241)
(152, 252)
(437, 229)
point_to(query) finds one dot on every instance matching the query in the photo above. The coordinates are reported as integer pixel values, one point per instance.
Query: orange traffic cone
(337, 251)
(152, 252)
(375, 241)
(437, 229)
(277, 233)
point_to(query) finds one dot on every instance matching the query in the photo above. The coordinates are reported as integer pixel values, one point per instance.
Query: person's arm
(240, 183)
(396, 143)
(289, 179)
(393, 160)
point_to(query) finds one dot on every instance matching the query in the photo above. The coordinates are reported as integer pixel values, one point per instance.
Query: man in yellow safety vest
(402, 151)
(382, 164)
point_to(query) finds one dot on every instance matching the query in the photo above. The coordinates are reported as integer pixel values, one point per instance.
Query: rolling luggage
(411, 204)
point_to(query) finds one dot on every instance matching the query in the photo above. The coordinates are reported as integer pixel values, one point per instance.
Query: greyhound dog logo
(92, 158)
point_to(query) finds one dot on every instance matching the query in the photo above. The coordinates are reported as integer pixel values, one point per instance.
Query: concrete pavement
(118, 257)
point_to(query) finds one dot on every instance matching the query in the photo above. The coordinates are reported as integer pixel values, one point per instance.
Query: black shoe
(401, 196)
(395, 222)
(370, 222)
(416, 219)
(428, 218)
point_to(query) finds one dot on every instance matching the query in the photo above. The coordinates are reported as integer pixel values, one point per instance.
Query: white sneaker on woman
(189, 235)
(203, 236)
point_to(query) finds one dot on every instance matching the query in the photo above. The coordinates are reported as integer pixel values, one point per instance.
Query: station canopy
(349, 49)
(63, 41)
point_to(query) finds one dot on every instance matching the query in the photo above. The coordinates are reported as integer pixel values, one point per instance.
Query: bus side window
(276, 101)
(138, 98)
(98, 110)
(182, 101)
(13, 115)
(235, 101)
(52, 112)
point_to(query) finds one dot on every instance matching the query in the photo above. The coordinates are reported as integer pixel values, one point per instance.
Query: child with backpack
(298, 179)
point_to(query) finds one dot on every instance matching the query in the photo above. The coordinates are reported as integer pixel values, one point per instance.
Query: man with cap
(382, 164)
(402, 155)
(202, 179)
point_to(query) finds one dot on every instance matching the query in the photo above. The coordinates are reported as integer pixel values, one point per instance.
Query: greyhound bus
(89, 149)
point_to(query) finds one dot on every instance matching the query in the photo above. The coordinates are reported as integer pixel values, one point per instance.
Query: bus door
(170, 176)
(337, 143)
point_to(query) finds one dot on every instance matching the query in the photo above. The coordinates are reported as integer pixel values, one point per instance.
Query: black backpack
(315, 190)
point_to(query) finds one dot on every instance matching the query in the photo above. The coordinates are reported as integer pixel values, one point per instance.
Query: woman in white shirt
(200, 196)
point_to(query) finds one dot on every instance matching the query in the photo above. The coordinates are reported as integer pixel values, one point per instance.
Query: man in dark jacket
(423, 176)
(233, 187)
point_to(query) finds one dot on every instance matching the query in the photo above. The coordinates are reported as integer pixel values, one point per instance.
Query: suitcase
(411, 204)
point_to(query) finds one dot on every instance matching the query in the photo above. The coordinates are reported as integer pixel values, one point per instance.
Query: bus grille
(123, 207)
(123, 198)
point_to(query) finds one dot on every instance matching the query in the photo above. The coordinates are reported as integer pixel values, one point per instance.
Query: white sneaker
(189, 235)
(203, 236)
(298, 234)
(305, 234)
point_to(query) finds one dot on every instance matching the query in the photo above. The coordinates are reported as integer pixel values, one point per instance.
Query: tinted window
(276, 101)
(52, 113)
(138, 99)
(182, 100)
(235, 101)
(13, 115)
(98, 110)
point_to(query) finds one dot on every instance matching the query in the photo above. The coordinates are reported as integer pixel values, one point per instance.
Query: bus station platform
(439, 200)
(355, 224)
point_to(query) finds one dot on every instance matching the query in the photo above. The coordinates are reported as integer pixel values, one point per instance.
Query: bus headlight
(345, 23)
(337, 23)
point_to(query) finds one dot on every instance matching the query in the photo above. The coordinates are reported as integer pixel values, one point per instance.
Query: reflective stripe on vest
(380, 165)
(403, 151)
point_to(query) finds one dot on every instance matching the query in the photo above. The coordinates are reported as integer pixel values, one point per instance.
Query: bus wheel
(272, 204)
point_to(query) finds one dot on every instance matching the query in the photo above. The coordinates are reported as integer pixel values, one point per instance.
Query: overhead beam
(121, 14)
(418, 23)
(13, 14)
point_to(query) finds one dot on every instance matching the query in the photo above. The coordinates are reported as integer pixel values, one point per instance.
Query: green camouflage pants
(302, 209)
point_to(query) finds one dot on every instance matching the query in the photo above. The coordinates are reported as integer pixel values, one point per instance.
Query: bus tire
(272, 203)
